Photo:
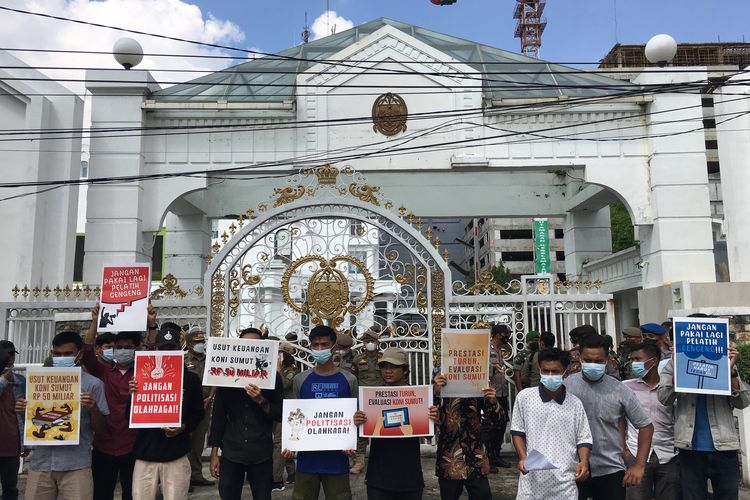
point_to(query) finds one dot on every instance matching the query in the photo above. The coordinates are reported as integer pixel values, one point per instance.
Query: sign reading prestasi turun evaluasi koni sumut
(701, 364)
(464, 361)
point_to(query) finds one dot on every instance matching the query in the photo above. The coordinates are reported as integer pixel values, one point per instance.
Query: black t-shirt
(152, 445)
(395, 465)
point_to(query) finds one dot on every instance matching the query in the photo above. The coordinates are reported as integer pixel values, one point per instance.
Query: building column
(733, 134)
(587, 237)
(187, 241)
(114, 211)
(679, 244)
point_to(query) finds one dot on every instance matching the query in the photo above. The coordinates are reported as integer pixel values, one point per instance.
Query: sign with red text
(53, 406)
(124, 301)
(465, 362)
(319, 424)
(157, 402)
(238, 362)
(396, 411)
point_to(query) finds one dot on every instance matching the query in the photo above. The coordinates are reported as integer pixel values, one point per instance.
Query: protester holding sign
(394, 471)
(124, 298)
(161, 455)
(12, 388)
(465, 362)
(462, 460)
(113, 447)
(242, 426)
(704, 428)
(327, 468)
(65, 471)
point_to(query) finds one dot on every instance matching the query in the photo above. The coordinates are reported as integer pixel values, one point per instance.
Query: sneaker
(278, 487)
(290, 479)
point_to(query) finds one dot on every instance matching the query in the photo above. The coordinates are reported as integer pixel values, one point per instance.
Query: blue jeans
(232, 477)
(721, 467)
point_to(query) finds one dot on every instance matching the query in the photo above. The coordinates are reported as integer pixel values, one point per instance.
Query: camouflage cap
(395, 356)
(344, 340)
(370, 333)
(632, 331)
(196, 336)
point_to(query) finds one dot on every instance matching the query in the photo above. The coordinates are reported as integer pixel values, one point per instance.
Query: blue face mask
(321, 357)
(551, 382)
(593, 371)
(639, 368)
(63, 361)
(108, 354)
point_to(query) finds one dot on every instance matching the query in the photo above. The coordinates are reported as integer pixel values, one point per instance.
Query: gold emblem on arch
(389, 114)
(328, 297)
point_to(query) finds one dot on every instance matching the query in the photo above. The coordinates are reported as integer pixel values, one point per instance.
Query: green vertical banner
(541, 246)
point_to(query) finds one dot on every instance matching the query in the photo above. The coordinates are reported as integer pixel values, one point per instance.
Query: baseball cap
(632, 331)
(169, 334)
(371, 333)
(394, 356)
(7, 345)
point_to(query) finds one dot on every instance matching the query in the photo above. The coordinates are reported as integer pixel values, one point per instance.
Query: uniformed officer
(522, 376)
(288, 368)
(365, 368)
(195, 361)
(631, 336)
(493, 424)
(344, 357)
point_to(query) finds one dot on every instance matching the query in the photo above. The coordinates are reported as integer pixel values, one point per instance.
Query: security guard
(526, 364)
(632, 335)
(288, 369)
(195, 361)
(344, 357)
(365, 368)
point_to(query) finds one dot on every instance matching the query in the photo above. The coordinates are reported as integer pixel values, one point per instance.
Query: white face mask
(200, 348)
(371, 346)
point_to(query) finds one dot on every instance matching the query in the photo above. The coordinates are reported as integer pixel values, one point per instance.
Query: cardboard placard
(53, 406)
(701, 364)
(396, 411)
(319, 424)
(158, 401)
(124, 300)
(238, 362)
(465, 362)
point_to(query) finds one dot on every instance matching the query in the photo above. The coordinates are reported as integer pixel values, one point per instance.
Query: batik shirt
(460, 452)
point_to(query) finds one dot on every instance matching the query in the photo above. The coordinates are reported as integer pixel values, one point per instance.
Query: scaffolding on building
(531, 25)
(688, 54)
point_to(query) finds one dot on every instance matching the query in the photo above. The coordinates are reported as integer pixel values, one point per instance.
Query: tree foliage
(622, 227)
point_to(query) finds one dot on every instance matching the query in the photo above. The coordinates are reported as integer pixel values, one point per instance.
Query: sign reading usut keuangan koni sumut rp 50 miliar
(234, 362)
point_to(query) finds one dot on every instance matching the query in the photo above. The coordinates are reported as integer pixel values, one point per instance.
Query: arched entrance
(329, 248)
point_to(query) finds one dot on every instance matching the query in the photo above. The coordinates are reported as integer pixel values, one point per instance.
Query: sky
(583, 33)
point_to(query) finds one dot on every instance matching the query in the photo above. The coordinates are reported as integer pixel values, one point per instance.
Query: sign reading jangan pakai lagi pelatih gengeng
(124, 301)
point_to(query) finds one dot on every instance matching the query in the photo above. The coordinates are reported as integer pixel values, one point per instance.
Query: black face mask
(505, 339)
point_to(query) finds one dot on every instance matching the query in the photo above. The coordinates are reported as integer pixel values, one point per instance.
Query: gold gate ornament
(327, 289)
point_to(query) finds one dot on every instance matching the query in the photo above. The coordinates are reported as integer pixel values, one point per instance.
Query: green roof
(273, 78)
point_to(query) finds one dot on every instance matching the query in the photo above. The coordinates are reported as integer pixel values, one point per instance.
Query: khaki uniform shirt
(367, 371)
(196, 363)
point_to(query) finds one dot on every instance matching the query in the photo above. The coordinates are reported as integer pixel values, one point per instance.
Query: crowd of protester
(610, 423)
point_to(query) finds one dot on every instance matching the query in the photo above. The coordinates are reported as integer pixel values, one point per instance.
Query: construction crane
(531, 25)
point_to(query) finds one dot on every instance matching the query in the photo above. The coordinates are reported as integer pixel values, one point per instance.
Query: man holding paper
(551, 434)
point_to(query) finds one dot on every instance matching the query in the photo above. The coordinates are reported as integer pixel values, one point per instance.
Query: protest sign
(319, 424)
(158, 401)
(238, 362)
(465, 361)
(124, 301)
(701, 364)
(53, 406)
(394, 412)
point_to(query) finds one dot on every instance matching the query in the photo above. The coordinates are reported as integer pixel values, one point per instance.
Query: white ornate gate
(328, 247)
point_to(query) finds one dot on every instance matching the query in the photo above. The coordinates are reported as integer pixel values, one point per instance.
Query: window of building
(84, 169)
(518, 256)
(559, 234)
(157, 256)
(356, 228)
(712, 144)
(362, 256)
(709, 123)
(713, 167)
(516, 234)
(707, 102)
(560, 256)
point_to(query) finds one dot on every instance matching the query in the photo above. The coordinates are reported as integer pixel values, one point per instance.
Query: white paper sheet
(537, 461)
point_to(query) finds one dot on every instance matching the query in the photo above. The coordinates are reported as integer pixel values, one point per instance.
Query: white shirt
(661, 416)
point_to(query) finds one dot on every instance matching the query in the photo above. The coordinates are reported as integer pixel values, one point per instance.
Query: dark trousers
(378, 494)
(9, 477)
(721, 467)
(607, 487)
(492, 431)
(106, 468)
(232, 477)
(660, 481)
(477, 489)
